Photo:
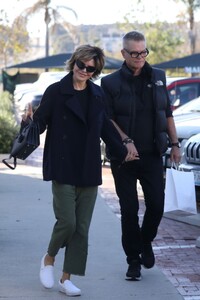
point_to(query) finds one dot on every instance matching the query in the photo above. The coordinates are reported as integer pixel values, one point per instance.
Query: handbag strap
(9, 165)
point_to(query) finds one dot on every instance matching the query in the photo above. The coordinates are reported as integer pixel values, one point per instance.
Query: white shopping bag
(180, 191)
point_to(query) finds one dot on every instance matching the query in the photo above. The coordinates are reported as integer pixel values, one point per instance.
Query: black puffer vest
(118, 87)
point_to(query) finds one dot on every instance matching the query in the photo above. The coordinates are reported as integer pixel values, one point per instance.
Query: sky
(102, 11)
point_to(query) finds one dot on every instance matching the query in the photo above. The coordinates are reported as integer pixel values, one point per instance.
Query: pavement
(176, 246)
(25, 226)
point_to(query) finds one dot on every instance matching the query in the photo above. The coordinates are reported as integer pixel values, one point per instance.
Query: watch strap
(176, 144)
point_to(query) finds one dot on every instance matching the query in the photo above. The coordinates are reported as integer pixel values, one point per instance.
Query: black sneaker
(147, 256)
(133, 272)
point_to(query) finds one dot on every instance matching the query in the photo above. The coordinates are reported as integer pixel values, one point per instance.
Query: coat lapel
(73, 103)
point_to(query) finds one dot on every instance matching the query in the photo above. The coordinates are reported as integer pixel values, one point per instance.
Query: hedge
(8, 123)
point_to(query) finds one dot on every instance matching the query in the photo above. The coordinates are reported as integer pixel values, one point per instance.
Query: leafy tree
(163, 41)
(8, 123)
(14, 38)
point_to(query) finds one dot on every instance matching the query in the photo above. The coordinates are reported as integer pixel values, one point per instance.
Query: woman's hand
(28, 113)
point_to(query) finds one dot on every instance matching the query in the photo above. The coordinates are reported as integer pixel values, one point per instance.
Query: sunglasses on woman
(82, 66)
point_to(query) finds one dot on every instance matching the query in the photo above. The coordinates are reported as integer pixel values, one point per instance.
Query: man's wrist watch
(178, 145)
(127, 141)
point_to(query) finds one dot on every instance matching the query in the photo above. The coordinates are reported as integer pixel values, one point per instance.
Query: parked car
(44, 80)
(187, 122)
(182, 90)
(30, 97)
(191, 157)
(32, 93)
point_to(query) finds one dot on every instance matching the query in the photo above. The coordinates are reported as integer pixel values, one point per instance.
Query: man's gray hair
(134, 36)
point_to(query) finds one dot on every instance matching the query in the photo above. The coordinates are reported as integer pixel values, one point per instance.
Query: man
(139, 106)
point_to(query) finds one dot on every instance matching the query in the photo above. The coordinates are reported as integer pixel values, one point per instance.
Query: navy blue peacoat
(72, 152)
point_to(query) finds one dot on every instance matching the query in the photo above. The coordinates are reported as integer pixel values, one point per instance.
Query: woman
(73, 113)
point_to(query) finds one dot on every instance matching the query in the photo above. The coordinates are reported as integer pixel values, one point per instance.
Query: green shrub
(8, 123)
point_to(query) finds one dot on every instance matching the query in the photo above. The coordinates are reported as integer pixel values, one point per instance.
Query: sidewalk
(25, 226)
(175, 245)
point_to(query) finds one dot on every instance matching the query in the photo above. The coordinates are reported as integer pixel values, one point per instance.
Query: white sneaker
(69, 288)
(46, 275)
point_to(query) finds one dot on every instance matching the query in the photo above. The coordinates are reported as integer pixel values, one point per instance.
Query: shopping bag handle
(9, 165)
(175, 165)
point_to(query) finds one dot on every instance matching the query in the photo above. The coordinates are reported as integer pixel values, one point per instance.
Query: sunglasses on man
(135, 54)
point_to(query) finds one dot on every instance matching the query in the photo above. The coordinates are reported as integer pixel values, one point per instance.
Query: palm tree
(191, 7)
(51, 13)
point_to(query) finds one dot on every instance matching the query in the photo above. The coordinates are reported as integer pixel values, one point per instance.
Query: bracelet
(128, 141)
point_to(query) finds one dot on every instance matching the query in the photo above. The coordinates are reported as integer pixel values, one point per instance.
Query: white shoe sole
(65, 288)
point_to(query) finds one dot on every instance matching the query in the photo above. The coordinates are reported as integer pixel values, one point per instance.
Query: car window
(183, 93)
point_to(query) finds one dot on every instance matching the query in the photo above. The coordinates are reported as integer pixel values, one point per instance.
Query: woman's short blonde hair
(85, 53)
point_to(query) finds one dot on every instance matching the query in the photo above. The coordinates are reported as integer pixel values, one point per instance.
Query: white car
(187, 122)
(32, 93)
(191, 157)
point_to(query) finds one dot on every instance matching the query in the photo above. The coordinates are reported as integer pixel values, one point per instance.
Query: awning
(58, 61)
(190, 63)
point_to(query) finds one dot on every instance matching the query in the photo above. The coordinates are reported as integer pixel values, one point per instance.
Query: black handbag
(26, 141)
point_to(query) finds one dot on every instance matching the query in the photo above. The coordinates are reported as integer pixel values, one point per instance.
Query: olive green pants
(73, 207)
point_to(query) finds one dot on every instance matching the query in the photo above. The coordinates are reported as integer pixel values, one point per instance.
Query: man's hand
(132, 152)
(175, 155)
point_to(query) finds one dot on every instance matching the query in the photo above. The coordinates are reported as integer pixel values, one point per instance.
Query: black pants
(149, 171)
